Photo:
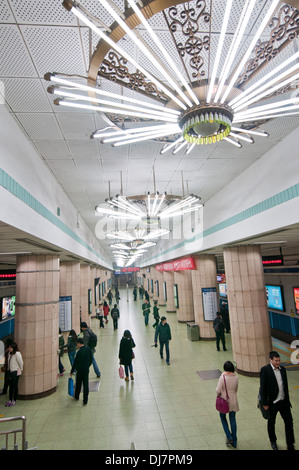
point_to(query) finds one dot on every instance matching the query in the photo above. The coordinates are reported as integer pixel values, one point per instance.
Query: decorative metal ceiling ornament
(235, 70)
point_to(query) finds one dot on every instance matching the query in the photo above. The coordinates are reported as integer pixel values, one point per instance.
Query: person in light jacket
(14, 368)
(230, 380)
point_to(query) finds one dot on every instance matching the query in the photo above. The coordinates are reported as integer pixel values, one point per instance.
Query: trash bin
(193, 331)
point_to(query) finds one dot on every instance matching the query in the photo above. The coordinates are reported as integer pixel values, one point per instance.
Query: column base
(247, 374)
(35, 396)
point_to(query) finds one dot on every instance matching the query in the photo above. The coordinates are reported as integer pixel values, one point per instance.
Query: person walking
(146, 308)
(106, 311)
(228, 386)
(219, 326)
(60, 353)
(275, 398)
(81, 365)
(14, 368)
(90, 340)
(72, 346)
(135, 293)
(163, 333)
(109, 296)
(4, 369)
(156, 314)
(126, 353)
(100, 315)
(115, 316)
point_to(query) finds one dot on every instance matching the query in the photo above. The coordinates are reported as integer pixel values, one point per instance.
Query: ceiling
(42, 36)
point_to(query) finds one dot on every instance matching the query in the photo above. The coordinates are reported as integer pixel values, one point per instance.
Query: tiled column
(185, 312)
(160, 279)
(250, 329)
(204, 276)
(168, 277)
(69, 285)
(37, 323)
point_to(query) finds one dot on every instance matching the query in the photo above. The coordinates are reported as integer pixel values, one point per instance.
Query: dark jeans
(13, 380)
(82, 378)
(115, 323)
(284, 409)
(166, 343)
(220, 337)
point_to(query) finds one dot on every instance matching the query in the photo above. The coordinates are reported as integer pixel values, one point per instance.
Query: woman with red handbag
(227, 389)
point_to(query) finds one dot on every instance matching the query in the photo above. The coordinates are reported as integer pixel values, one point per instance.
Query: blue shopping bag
(71, 387)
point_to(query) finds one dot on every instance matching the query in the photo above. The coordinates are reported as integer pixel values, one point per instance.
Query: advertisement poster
(210, 305)
(296, 299)
(274, 297)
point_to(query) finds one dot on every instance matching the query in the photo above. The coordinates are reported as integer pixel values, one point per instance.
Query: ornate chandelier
(219, 87)
(148, 210)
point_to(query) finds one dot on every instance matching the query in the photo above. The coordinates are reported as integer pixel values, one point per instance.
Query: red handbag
(222, 404)
(121, 372)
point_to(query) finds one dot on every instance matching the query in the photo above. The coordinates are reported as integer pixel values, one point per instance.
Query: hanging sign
(183, 264)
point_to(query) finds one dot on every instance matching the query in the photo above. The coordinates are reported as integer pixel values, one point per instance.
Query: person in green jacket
(163, 333)
(156, 314)
(146, 308)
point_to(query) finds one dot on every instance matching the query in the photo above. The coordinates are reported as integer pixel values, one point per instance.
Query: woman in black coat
(126, 353)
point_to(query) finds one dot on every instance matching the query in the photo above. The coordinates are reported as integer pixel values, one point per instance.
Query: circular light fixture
(206, 124)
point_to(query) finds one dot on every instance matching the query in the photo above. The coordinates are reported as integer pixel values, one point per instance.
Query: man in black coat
(275, 398)
(81, 365)
(163, 332)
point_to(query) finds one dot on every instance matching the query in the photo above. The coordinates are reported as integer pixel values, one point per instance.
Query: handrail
(14, 431)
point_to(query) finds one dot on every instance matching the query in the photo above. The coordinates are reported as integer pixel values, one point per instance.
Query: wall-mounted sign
(183, 264)
(209, 301)
(65, 313)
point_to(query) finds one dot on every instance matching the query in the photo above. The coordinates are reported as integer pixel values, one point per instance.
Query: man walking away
(90, 340)
(163, 333)
(115, 316)
(81, 365)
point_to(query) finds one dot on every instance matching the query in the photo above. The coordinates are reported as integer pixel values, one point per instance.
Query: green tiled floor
(165, 408)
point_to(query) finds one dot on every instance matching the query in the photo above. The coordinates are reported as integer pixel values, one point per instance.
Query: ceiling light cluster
(147, 212)
(196, 112)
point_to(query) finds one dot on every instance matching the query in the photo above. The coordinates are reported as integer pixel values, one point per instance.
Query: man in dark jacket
(218, 325)
(81, 365)
(115, 316)
(164, 334)
(275, 398)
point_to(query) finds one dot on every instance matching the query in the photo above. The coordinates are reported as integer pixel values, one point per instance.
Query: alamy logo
(295, 354)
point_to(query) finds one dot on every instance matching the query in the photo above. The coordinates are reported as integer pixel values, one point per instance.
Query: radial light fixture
(148, 210)
(193, 85)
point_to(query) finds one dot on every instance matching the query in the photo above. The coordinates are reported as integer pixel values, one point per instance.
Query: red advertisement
(177, 265)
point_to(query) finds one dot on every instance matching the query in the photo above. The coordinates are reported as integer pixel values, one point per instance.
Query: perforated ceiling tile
(24, 95)
(45, 12)
(75, 127)
(12, 46)
(55, 49)
(6, 15)
(39, 125)
(53, 149)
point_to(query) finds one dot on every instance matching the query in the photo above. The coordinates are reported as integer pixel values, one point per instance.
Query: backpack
(93, 340)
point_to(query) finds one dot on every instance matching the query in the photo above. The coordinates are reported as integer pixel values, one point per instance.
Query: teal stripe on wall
(8, 183)
(268, 203)
(17, 190)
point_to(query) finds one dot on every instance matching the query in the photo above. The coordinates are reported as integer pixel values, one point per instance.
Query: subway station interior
(154, 144)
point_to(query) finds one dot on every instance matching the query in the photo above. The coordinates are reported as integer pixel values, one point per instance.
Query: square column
(204, 276)
(37, 323)
(185, 312)
(249, 320)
